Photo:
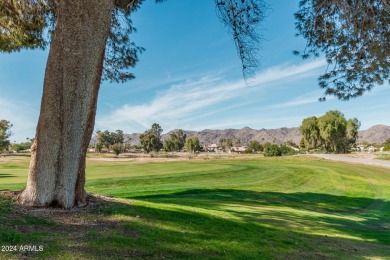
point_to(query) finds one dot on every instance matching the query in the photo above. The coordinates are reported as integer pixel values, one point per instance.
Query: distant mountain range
(374, 135)
(377, 134)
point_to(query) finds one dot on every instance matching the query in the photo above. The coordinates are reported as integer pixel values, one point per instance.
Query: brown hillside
(375, 135)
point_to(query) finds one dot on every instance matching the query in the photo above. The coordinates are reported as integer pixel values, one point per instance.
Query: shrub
(287, 150)
(249, 150)
(117, 148)
(272, 150)
(255, 146)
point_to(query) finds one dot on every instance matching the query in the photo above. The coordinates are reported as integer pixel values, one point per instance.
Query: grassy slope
(243, 208)
(383, 157)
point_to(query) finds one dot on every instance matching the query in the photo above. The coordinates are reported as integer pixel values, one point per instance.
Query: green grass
(243, 208)
(383, 157)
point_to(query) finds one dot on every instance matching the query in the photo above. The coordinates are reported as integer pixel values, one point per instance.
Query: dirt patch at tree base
(75, 222)
(93, 201)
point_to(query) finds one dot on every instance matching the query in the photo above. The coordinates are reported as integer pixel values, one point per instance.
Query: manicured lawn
(383, 157)
(245, 207)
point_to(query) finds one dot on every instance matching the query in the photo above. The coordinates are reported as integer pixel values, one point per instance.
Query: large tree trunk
(72, 79)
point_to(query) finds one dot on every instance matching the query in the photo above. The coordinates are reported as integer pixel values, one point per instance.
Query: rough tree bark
(72, 79)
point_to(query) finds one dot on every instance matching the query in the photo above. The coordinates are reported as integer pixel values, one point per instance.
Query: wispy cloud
(288, 72)
(197, 98)
(305, 99)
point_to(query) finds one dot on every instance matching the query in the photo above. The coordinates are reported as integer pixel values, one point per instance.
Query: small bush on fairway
(272, 150)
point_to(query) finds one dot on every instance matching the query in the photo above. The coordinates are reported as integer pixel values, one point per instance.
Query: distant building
(212, 148)
(239, 149)
(371, 149)
(294, 148)
(361, 148)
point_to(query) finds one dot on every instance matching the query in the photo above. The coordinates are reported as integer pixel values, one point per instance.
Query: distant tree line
(177, 140)
(331, 133)
(23, 146)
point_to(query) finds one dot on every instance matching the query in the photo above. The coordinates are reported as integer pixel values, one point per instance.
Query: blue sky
(190, 77)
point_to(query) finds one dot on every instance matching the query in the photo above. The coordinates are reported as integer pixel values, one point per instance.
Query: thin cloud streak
(197, 98)
(309, 98)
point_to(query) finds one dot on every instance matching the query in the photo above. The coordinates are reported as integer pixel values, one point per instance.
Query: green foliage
(23, 23)
(147, 139)
(117, 137)
(387, 142)
(29, 24)
(302, 143)
(107, 139)
(255, 146)
(333, 128)
(121, 52)
(241, 19)
(98, 147)
(192, 144)
(386, 148)
(272, 150)
(249, 150)
(5, 133)
(175, 142)
(287, 150)
(151, 139)
(352, 132)
(170, 145)
(291, 143)
(331, 132)
(311, 132)
(225, 143)
(117, 148)
(21, 146)
(354, 36)
(355, 42)
(337, 133)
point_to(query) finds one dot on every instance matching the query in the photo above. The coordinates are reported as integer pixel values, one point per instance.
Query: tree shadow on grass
(363, 218)
(6, 175)
(211, 224)
(177, 232)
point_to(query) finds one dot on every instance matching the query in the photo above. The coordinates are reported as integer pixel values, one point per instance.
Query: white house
(239, 149)
(212, 148)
